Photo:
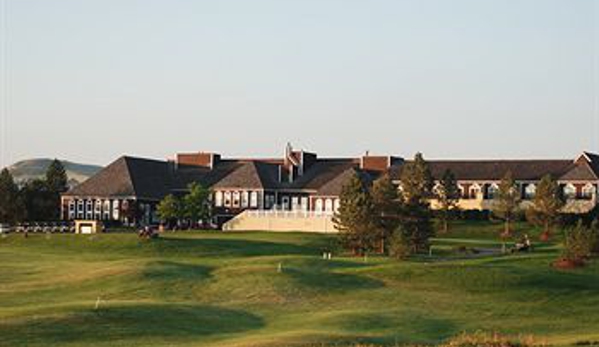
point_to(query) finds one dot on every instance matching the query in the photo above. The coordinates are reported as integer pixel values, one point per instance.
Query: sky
(92, 80)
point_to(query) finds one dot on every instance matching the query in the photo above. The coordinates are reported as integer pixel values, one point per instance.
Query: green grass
(224, 289)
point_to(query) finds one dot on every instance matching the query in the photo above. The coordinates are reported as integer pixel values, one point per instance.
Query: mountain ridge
(30, 169)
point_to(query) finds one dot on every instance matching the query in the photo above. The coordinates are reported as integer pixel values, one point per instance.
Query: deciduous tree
(507, 202)
(196, 204)
(169, 209)
(546, 205)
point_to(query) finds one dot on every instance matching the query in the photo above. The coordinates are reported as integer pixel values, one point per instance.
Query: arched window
(570, 191)
(98, 209)
(492, 191)
(529, 191)
(106, 210)
(236, 199)
(227, 201)
(462, 192)
(474, 191)
(89, 209)
(337, 204)
(245, 199)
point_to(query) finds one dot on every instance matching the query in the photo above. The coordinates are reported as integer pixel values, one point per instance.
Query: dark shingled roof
(594, 163)
(127, 177)
(250, 175)
(323, 173)
(154, 179)
(479, 170)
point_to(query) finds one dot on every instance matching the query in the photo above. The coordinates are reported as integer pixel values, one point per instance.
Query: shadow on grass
(226, 247)
(117, 325)
(323, 279)
(408, 327)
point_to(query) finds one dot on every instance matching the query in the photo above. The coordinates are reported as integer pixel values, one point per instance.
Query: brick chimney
(200, 159)
(378, 163)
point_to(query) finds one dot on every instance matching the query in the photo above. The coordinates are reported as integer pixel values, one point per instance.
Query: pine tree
(354, 218)
(56, 177)
(546, 205)
(196, 204)
(416, 184)
(56, 183)
(507, 202)
(416, 181)
(11, 209)
(169, 209)
(40, 203)
(448, 196)
(387, 205)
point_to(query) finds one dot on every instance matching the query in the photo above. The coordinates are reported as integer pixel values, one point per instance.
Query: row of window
(234, 199)
(528, 192)
(94, 209)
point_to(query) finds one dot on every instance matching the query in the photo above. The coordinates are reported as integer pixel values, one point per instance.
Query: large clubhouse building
(128, 190)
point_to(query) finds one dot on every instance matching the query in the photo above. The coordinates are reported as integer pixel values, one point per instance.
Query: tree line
(35, 200)
(399, 221)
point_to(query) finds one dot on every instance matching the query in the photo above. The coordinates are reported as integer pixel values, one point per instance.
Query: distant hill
(36, 168)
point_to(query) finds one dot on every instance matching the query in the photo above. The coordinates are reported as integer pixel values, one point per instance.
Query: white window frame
(245, 199)
(569, 191)
(530, 190)
(218, 199)
(254, 199)
(227, 199)
(236, 199)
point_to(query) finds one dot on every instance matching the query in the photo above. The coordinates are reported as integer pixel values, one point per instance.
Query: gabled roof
(593, 161)
(326, 175)
(249, 175)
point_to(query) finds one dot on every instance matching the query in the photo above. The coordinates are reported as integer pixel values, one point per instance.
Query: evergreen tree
(169, 209)
(56, 177)
(416, 181)
(11, 209)
(196, 204)
(387, 205)
(39, 201)
(507, 202)
(56, 184)
(546, 205)
(448, 196)
(416, 184)
(354, 219)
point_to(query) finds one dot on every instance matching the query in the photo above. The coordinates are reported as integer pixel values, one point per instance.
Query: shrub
(481, 339)
(399, 247)
(579, 244)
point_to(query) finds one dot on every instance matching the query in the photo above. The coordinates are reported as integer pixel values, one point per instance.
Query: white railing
(288, 214)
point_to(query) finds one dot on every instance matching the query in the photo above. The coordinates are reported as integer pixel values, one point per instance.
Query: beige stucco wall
(311, 223)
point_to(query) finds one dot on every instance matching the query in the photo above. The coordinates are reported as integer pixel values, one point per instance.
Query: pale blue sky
(92, 80)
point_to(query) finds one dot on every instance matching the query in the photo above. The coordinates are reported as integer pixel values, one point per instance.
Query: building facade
(128, 190)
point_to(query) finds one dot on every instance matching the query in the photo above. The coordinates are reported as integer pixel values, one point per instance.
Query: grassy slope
(224, 290)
